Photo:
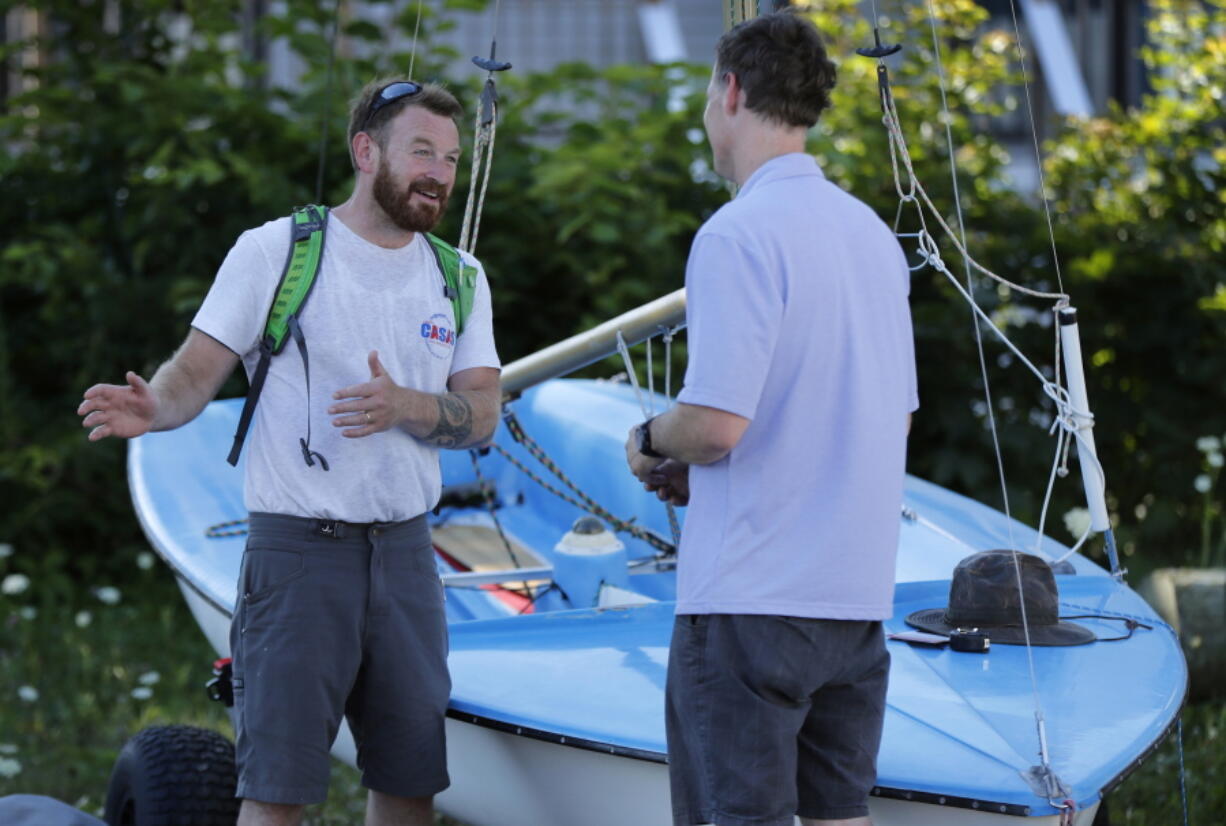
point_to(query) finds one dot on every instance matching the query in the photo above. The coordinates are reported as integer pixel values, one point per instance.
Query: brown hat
(983, 594)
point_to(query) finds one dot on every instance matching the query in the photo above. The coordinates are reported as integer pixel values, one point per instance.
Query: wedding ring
(368, 419)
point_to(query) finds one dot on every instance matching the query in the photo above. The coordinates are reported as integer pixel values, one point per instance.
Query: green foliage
(81, 675)
(951, 443)
(1152, 794)
(592, 207)
(1141, 195)
(151, 142)
(137, 157)
(1137, 200)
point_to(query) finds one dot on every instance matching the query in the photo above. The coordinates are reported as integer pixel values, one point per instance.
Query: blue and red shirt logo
(438, 336)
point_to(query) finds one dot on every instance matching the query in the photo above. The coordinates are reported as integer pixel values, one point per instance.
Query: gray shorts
(770, 717)
(339, 620)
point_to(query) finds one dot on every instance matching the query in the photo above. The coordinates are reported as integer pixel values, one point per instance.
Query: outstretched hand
(369, 407)
(121, 410)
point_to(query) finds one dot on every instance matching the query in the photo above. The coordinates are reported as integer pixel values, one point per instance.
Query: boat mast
(591, 346)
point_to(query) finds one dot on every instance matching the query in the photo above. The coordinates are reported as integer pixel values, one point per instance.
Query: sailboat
(558, 666)
(560, 622)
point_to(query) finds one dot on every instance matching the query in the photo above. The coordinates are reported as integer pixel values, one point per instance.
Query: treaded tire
(173, 776)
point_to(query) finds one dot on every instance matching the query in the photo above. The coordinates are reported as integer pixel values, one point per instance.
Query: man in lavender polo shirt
(789, 444)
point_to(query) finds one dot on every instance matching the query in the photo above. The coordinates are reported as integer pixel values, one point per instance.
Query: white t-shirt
(365, 298)
(799, 321)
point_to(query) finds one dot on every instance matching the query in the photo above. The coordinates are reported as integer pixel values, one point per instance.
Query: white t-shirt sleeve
(734, 309)
(475, 346)
(236, 307)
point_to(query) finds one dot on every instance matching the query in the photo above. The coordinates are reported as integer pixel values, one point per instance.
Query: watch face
(641, 433)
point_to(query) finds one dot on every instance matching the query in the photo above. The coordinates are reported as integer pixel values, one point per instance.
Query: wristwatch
(644, 436)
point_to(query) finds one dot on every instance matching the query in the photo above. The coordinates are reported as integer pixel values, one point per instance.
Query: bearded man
(340, 607)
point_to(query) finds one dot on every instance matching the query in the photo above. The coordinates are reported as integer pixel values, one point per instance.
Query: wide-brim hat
(983, 595)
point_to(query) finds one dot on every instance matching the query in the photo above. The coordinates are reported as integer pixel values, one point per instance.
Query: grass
(84, 668)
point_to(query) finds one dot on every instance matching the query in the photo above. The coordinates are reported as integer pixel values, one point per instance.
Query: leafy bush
(144, 151)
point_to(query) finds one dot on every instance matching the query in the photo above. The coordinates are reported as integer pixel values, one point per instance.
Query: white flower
(142, 692)
(28, 612)
(149, 678)
(6, 550)
(144, 560)
(14, 584)
(1202, 483)
(1214, 459)
(28, 693)
(8, 748)
(1208, 444)
(9, 767)
(84, 618)
(107, 594)
(1077, 520)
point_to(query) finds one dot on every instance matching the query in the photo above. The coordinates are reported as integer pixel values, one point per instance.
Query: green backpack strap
(308, 227)
(460, 280)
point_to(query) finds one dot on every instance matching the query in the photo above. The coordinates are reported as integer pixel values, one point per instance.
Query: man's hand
(670, 481)
(370, 407)
(640, 465)
(122, 410)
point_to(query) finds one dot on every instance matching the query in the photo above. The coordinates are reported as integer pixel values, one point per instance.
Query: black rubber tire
(173, 776)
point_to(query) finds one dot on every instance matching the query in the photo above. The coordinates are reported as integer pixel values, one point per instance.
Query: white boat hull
(500, 778)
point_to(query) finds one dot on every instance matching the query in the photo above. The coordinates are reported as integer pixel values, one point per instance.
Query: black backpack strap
(305, 444)
(253, 395)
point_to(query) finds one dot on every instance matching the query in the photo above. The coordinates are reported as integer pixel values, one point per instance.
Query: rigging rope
(327, 110)
(648, 410)
(416, 29)
(1068, 421)
(970, 283)
(485, 130)
(583, 502)
(1038, 155)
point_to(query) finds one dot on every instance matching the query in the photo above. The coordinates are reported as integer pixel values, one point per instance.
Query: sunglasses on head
(388, 95)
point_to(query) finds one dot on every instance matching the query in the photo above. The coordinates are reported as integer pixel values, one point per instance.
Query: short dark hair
(780, 62)
(432, 97)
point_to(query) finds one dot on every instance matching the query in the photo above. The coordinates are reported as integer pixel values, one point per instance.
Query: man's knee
(389, 810)
(257, 813)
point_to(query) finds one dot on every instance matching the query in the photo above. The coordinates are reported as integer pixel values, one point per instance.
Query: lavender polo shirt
(799, 321)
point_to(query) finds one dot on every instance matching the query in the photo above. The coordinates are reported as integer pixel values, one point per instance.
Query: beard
(399, 206)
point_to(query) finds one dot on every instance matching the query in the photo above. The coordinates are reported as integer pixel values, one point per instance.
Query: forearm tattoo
(455, 422)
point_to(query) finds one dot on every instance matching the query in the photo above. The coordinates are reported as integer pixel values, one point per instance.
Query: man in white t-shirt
(789, 444)
(340, 608)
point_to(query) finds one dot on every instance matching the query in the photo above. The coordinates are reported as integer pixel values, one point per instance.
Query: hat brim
(1062, 633)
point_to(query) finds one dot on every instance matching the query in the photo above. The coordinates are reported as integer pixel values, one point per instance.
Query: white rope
(647, 408)
(416, 28)
(970, 284)
(898, 144)
(1038, 155)
(485, 130)
(633, 376)
(483, 156)
(667, 336)
(930, 255)
(1068, 421)
(651, 382)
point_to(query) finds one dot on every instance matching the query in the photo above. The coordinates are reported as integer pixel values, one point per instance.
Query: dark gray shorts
(770, 717)
(332, 625)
